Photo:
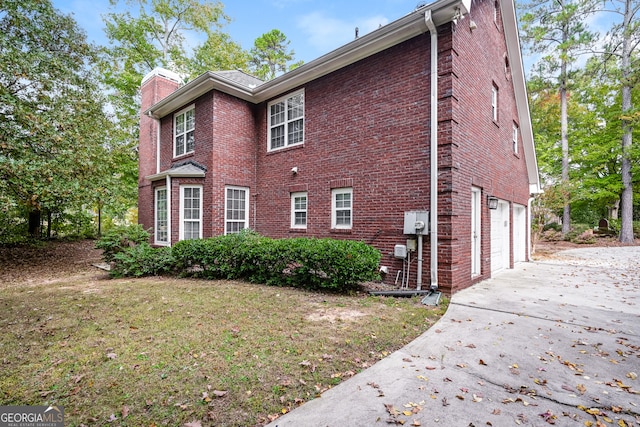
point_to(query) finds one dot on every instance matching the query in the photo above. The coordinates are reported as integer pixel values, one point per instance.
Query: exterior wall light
(492, 202)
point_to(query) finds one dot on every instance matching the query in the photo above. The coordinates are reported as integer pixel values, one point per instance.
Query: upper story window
(515, 137)
(342, 208)
(184, 124)
(286, 121)
(299, 210)
(494, 102)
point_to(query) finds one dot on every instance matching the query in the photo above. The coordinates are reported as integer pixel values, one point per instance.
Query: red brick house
(346, 147)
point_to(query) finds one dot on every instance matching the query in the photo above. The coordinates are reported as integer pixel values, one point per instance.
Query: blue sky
(313, 27)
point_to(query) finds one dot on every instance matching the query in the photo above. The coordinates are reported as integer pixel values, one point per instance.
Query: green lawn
(164, 351)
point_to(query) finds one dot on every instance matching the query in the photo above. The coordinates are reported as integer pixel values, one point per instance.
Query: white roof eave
(187, 171)
(396, 32)
(509, 21)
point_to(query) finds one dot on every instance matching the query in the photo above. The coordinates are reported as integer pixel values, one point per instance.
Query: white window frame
(184, 133)
(287, 121)
(335, 208)
(189, 218)
(516, 132)
(494, 102)
(244, 221)
(158, 240)
(298, 208)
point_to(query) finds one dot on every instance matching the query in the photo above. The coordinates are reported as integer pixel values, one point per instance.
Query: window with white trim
(190, 212)
(286, 121)
(494, 102)
(515, 137)
(299, 210)
(342, 208)
(184, 124)
(236, 208)
(161, 235)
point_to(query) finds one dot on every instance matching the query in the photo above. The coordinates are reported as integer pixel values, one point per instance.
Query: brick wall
(481, 150)
(152, 91)
(367, 127)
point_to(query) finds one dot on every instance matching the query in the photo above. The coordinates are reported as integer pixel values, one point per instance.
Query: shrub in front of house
(142, 260)
(328, 264)
(121, 238)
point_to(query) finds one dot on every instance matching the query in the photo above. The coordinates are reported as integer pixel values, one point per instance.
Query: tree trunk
(626, 199)
(49, 224)
(34, 223)
(564, 135)
(99, 219)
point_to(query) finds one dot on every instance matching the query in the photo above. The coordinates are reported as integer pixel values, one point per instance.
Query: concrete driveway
(554, 342)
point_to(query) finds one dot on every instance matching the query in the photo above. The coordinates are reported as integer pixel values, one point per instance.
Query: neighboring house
(345, 147)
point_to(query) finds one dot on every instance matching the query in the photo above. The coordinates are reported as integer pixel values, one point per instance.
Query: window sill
(341, 231)
(285, 149)
(182, 156)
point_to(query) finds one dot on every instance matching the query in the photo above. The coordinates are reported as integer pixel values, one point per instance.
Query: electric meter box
(416, 222)
(400, 251)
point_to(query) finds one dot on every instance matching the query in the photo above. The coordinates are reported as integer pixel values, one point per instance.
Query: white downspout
(434, 154)
(169, 210)
(529, 216)
(157, 145)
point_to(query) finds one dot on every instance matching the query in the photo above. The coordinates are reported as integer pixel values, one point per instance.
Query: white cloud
(326, 33)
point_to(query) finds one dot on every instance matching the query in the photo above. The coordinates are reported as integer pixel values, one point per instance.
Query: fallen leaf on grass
(219, 393)
(125, 411)
(194, 423)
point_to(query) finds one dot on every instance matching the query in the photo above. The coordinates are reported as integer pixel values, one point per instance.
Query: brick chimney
(155, 86)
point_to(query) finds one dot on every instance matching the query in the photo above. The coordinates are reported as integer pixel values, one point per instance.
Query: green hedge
(119, 239)
(338, 265)
(142, 260)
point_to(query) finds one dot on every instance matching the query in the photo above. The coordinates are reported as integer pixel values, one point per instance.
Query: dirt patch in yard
(49, 262)
(335, 314)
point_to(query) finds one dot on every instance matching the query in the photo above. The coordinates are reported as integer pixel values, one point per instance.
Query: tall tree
(625, 39)
(218, 52)
(52, 125)
(556, 29)
(153, 36)
(271, 54)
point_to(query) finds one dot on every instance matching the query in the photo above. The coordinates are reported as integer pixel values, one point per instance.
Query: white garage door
(519, 233)
(500, 237)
